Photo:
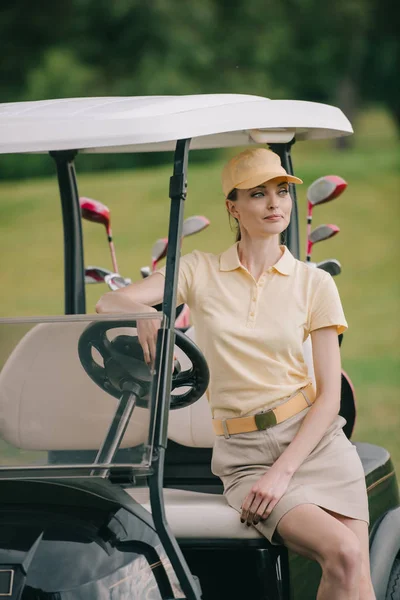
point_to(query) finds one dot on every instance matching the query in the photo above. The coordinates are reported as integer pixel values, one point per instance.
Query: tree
(27, 30)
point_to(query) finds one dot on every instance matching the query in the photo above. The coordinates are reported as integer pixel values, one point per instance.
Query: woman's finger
(146, 352)
(153, 348)
(268, 510)
(253, 509)
(245, 507)
(261, 511)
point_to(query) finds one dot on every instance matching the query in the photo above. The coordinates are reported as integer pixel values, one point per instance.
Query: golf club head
(158, 251)
(116, 281)
(325, 189)
(323, 232)
(96, 274)
(194, 224)
(331, 266)
(145, 272)
(95, 211)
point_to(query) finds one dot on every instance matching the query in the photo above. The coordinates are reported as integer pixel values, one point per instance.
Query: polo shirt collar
(229, 260)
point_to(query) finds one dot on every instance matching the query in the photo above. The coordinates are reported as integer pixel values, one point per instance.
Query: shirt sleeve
(187, 269)
(326, 307)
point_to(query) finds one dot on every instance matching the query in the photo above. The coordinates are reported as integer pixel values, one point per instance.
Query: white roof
(154, 123)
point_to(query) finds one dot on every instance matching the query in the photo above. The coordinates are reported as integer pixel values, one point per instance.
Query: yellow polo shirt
(252, 332)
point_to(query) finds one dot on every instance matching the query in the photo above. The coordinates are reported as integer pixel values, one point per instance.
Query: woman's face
(263, 210)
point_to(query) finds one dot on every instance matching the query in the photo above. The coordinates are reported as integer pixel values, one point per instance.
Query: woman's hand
(147, 333)
(139, 297)
(264, 495)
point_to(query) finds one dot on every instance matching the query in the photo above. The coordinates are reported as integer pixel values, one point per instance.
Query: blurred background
(345, 53)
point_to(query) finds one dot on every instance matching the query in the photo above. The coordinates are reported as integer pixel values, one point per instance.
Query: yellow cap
(251, 168)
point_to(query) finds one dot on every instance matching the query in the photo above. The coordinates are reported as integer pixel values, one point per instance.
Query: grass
(368, 248)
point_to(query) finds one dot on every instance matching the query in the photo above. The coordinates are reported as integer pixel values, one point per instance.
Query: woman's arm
(139, 297)
(269, 489)
(326, 358)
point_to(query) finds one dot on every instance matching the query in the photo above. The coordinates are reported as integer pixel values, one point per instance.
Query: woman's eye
(283, 192)
(257, 194)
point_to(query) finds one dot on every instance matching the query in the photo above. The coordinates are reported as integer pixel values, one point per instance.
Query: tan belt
(263, 420)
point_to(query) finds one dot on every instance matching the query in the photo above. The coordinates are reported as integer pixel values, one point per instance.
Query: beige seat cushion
(48, 402)
(196, 515)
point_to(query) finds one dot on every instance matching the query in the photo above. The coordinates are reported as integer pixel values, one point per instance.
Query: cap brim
(262, 177)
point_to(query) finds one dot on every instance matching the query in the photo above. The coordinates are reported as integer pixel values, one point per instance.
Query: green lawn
(368, 248)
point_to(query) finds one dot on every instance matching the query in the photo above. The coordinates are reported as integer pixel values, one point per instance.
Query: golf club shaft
(309, 221)
(112, 250)
(309, 249)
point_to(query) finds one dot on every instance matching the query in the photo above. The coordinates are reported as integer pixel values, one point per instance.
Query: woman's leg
(312, 532)
(360, 528)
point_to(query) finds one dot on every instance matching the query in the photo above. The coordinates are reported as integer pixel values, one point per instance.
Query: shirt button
(252, 314)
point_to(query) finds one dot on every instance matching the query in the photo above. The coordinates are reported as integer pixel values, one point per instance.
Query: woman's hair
(233, 196)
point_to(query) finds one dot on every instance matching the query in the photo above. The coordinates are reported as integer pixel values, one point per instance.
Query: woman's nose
(272, 200)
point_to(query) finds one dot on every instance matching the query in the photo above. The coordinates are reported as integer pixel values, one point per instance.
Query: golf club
(320, 233)
(101, 275)
(331, 266)
(95, 274)
(145, 272)
(158, 251)
(96, 212)
(116, 281)
(320, 191)
(193, 225)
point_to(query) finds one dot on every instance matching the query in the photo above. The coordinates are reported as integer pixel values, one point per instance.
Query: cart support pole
(74, 273)
(164, 363)
(292, 232)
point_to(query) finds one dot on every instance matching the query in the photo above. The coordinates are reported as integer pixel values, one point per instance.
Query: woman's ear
(231, 208)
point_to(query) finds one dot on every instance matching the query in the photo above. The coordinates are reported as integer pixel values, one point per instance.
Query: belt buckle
(225, 429)
(265, 420)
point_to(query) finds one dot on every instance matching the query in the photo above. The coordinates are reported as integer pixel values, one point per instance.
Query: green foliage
(61, 75)
(27, 30)
(344, 52)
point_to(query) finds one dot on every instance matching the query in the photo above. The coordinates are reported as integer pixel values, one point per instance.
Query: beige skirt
(331, 477)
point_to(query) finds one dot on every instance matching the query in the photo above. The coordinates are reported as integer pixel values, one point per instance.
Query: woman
(280, 451)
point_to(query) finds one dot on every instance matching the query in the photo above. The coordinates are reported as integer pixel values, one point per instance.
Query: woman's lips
(273, 217)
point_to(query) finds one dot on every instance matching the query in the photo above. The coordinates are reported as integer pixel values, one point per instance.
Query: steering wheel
(125, 369)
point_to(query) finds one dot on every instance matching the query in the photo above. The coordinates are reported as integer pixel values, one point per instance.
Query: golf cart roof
(154, 123)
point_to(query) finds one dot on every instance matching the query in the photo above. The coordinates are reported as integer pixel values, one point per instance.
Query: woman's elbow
(101, 305)
(110, 302)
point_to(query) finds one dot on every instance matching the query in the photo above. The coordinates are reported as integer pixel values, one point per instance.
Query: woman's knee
(342, 560)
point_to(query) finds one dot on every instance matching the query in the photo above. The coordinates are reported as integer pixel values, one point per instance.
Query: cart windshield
(74, 393)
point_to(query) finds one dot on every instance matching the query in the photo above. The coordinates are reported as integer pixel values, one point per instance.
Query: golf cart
(105, 482)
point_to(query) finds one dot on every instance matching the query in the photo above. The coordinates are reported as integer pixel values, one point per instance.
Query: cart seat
(196, 515)
(372, 457)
